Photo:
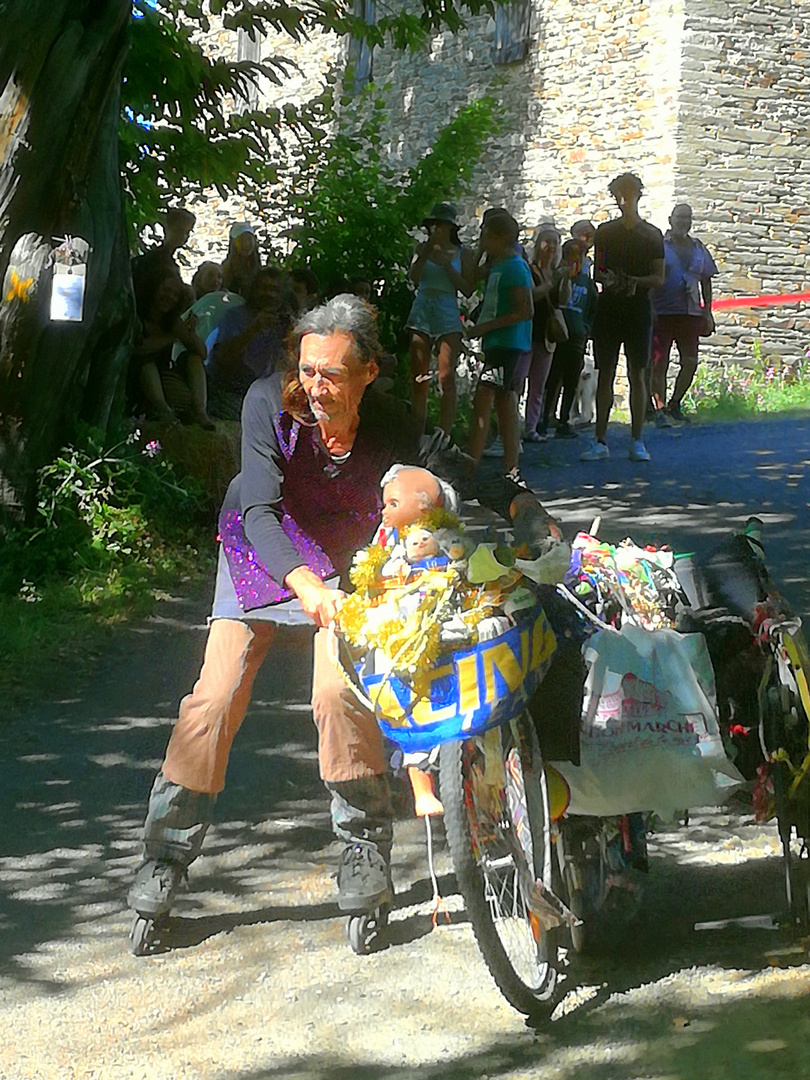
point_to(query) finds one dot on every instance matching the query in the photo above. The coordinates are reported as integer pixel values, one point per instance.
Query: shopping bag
(650, 739)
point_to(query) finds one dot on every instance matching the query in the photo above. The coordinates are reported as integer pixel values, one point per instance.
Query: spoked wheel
(796, 858)
(785, 738)
(498, 829)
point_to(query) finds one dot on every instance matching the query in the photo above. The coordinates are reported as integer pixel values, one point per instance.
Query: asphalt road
(260, 984)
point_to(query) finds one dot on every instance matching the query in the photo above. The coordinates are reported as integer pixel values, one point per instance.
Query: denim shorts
(434, 314)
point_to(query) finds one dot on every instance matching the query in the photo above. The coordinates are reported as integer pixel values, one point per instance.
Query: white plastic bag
(649, 734)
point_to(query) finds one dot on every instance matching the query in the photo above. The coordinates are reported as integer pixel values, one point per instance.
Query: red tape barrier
(768, 300)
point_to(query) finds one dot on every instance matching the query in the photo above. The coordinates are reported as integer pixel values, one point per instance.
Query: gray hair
(344, 314)
(447, 493)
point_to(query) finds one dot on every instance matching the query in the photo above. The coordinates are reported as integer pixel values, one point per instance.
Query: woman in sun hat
(243, 262)
(440, 269)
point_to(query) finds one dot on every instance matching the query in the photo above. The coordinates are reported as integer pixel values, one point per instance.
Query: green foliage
(115, 526)
(352, 213)
(108, 521)
(179, 133)
(736, 392)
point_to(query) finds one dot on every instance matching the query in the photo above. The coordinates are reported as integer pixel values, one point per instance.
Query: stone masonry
(707, 100)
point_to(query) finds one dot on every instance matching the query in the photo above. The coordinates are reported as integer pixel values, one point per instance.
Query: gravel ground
(259, 982)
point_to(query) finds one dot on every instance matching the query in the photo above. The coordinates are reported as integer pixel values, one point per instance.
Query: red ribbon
(763, 300)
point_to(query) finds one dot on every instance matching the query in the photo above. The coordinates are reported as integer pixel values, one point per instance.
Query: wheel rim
(504, 853)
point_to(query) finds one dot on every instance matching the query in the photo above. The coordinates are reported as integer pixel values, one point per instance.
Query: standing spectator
(585, 231)
(551, 290)
(177, 227)
(683, 311)
(249, 342)
(440, 269)
(628, 263)
(569, 356)
(505, 324)
(242, 262)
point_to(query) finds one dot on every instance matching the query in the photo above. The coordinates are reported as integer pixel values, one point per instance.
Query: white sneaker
(495, 448)
(597, 451)
(638, 451)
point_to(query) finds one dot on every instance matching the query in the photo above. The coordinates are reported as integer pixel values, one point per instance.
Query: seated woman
(249, 341)
(173, 389)
(243, 261)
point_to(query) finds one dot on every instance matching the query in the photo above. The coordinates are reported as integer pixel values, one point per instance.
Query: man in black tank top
(628, 263)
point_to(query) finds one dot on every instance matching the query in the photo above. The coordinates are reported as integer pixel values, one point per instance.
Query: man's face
(408, 496)
(626, 196)
(680, 221)
(332, 377)
(491, 241)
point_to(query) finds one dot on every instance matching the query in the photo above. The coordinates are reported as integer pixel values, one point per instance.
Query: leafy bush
(114, 525)
(352, 213)
(734, 391)
(108, 521)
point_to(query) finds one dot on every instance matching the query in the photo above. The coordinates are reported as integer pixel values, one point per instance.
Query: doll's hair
(447, 493)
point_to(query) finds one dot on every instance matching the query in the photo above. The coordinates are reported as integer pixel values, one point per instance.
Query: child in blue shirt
(505, 324)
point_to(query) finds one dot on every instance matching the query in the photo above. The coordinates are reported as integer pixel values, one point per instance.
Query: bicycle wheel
(785, 737)
(493, 788)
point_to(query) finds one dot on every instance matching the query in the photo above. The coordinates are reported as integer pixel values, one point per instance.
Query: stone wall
(744, 160)
(596, 94)
(313, 59)
(707, 100)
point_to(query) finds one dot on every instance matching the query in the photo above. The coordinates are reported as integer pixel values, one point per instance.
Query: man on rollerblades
(315, 445)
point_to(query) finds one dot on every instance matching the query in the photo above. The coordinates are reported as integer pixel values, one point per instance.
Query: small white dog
(583, 410)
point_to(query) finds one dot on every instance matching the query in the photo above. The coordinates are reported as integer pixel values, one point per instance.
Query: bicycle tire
(491, 852)
(785, 737)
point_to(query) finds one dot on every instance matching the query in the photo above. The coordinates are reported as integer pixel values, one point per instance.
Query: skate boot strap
(154, 887)
(362, 878)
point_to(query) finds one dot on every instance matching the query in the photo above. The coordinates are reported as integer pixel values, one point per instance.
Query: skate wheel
(141, 935)
(359, 931)
(362, 929)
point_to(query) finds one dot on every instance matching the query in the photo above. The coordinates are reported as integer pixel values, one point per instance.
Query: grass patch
(115, 529)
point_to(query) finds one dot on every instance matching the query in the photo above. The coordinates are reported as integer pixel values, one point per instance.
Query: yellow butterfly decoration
(19, 288)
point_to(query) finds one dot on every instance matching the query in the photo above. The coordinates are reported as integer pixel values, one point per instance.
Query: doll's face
(420, 544)
(408, 496)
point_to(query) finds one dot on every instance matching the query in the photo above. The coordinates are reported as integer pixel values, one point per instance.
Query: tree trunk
(60, 83)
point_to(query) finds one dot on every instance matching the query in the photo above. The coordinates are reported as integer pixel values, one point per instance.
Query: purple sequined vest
(329, 510)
